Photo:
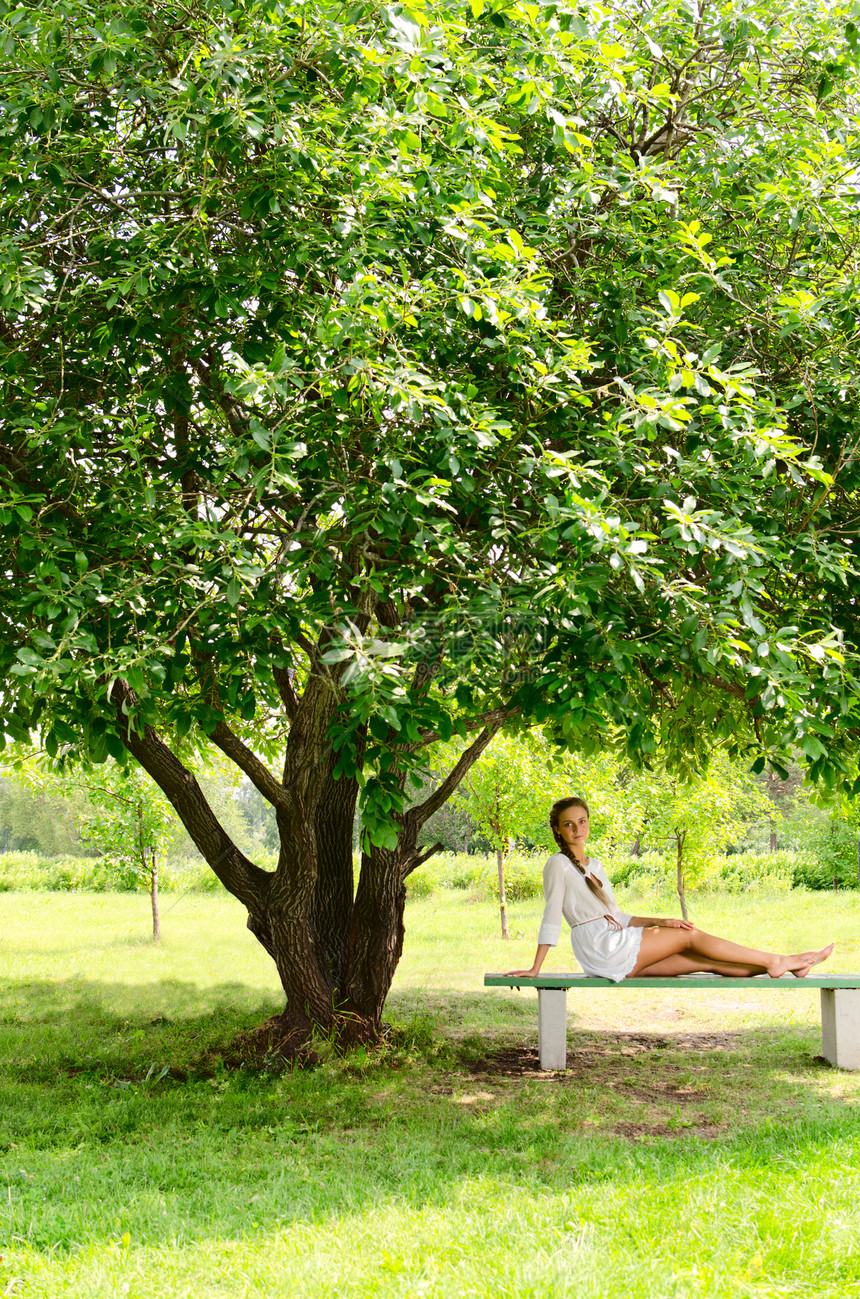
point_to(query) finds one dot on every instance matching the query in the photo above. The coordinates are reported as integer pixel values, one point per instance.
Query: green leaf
(262, 436)
(337, 655)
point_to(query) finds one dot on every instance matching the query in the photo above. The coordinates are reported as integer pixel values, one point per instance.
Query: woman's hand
(540, 957)
(676, 924)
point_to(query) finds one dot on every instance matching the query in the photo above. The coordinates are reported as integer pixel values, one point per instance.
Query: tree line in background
(112, 813)
(505, 798)
(502, 805)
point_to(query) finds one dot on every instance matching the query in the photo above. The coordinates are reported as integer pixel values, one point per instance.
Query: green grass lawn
(696, 1146)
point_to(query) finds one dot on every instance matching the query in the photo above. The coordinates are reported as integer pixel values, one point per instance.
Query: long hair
(554, 817)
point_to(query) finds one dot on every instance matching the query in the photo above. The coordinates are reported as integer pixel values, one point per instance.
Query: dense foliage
(373, 373)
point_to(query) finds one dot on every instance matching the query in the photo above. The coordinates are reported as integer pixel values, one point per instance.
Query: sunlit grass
(696, 1147)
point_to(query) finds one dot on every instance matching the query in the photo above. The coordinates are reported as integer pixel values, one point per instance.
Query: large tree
(375, 373)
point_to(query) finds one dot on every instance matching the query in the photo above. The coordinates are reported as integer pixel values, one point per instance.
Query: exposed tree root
(278, 1045)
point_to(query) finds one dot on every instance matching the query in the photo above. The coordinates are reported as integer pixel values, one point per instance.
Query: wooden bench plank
(678, 981)
(840, 1006)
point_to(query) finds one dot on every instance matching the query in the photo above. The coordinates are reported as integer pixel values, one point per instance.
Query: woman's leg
(702, 950)
(685, 964)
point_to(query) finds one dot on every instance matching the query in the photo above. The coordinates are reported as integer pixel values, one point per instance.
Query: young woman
(610, 944)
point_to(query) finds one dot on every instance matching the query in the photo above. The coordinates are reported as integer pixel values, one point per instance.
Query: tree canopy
(376, 373)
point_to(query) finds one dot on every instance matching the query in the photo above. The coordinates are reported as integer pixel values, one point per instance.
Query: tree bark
(375, 940)
(332, 904)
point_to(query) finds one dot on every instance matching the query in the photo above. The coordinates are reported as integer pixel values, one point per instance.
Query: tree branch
(483, 719)
(412, 863)
(287, 692)
(730, 688)
(416, 816)
(256, 771)
(236, 872)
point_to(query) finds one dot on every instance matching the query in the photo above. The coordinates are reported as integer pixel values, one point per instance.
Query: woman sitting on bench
(610, 944)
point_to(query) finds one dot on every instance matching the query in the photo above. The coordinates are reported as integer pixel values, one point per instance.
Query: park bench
(840, 1006)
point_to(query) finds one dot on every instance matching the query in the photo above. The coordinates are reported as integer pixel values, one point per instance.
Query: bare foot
(800, 963)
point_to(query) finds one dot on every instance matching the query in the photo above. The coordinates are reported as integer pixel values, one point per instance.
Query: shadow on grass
(177, 997)
(49, 1029)
(119, 1121)
(68, 1022)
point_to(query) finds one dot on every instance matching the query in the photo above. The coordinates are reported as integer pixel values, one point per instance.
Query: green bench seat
(840, 1006)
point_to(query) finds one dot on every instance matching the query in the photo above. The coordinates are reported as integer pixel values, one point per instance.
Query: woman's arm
(550, 927)
(655, 922)
(540, 957)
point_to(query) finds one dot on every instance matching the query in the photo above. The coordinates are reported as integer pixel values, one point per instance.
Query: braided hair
(554, 817)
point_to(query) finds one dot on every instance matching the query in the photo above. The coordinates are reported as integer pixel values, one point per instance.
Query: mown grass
(696, 1146)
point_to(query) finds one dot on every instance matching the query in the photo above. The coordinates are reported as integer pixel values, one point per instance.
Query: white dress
(603, 950)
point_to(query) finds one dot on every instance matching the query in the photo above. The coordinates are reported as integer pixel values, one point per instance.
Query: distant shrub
(190, 876)
(649, 870)
(832, 858)
(479, 875)
(523, 877)
(457, 870)
(766, 872)
(448, 870)
(771, 872)
(419, 885)
(20, 870)
(64, 874)
(88, 874)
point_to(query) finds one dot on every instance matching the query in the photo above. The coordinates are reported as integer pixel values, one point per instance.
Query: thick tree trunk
(286, 929)
(336, 955)
(350, 1006)
(375, 941)
(334, 890)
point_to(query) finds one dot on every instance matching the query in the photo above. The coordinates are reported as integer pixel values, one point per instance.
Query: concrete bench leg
(552, 1028)
(840, 1026)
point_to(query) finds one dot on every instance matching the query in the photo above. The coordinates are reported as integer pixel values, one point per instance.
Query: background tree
(372, 375)
(118, 814)
(451, 826)
(825, 833)
(259, 814)
(691, 820)
(504, 792)
(127, 821)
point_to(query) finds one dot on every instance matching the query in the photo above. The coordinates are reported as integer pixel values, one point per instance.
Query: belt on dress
(592, 919)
